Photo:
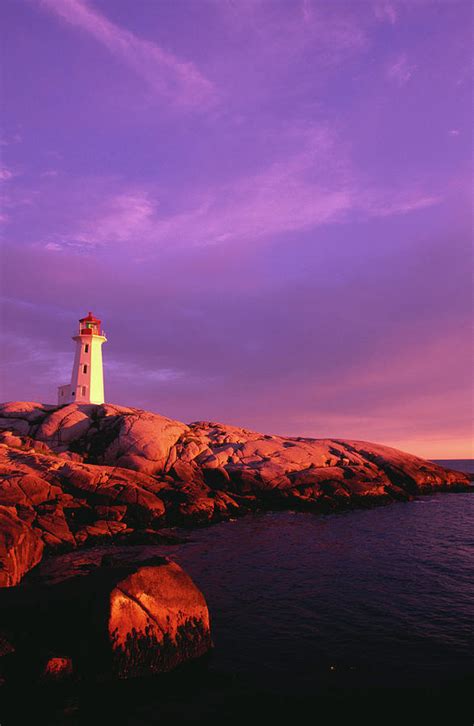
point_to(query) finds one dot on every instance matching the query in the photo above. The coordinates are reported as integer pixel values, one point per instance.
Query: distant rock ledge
(77, 475)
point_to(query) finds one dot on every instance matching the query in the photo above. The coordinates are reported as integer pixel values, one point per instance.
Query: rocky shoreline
(82, 475)
(78, 475)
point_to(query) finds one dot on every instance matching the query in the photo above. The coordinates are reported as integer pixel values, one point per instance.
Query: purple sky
(267, 203)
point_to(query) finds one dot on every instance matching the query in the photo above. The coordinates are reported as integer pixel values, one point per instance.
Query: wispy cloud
(386, 12)
(169, 77)
(400, 202)
(400, 70)
(283, 30)
(6, 174)
(117, 219)
(124, 370)
(121, 218)
(50, 365)
(9, 139)
(295, 193)
(311, 186)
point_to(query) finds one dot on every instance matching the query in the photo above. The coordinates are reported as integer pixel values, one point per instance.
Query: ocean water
(371, 598)
(466, 465)
(362, 613)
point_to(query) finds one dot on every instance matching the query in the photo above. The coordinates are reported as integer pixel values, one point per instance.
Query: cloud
(401, 202)
(8, 140)
(51, 366)
(280, 32)
(169, 77)
(5, 174)
(307, 11)
(294, 193)
(400, 71)
(386, 12)
(122, 218)
(125, 370)
(310, 186)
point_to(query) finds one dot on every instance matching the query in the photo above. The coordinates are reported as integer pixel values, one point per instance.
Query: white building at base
(87, 379)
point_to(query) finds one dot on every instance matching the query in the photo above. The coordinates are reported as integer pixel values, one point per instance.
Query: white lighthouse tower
(87, 379)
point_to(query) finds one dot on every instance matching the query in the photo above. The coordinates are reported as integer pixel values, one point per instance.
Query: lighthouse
(87, 379)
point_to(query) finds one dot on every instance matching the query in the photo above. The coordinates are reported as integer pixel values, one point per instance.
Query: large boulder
(65, 425)
(158, 619)
(29, 411)
(144, 442)
(123, 619)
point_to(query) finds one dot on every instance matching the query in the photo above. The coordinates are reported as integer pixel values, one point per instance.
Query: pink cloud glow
(178, 81)
(312, 185)
(400, 70)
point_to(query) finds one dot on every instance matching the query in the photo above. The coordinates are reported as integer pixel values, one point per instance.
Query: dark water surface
(364, 601)
(368, 598)
(466, 465)
(353, 612)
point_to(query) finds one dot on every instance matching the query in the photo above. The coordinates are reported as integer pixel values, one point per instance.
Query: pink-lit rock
(105, 472)
(20, 547)
(158, 619)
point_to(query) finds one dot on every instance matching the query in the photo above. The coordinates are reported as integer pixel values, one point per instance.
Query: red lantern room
(89, 325)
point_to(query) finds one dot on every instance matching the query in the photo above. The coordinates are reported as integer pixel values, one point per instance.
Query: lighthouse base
(77, 394)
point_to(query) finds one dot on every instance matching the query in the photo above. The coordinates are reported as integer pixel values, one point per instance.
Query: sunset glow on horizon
(267, 203)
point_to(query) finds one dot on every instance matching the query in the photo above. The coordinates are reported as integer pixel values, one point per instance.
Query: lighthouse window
(83, 390)
(84, 369)
(86, 348)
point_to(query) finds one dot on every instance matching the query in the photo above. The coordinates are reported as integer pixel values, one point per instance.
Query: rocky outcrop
(76, 475)
(20, 547)
(123, 619)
